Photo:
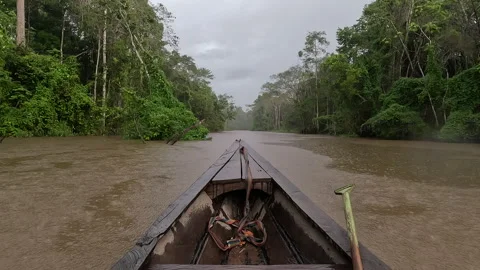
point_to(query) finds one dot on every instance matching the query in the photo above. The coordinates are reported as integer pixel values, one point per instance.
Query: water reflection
(425, 162)
(102, 212)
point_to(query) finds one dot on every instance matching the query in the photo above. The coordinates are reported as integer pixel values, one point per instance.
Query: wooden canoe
(300, 235)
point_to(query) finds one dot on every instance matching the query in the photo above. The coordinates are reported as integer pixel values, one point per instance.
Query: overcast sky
(243, 42)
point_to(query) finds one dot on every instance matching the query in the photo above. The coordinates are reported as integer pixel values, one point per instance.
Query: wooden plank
(276, 248)
(331, 229)
(216, 189)
(257, 172)
(180, 242)
(246, 267)
(310, 244)
(211, 253)
(137, 255)
(248, 254)
(231, 171)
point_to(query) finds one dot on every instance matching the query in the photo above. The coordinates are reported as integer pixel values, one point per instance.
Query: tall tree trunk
(328, 112)
(274, 116)
(437, 123)
(465, 15)
(334, 123)
(475, 13)
(104, 58)
(407, 31)
(443, 101)
(134, 46)
(63, 36)
(279, 115)
(405, 48)
(99, 49)
(316, 93)
(27, 22)
(20, 23)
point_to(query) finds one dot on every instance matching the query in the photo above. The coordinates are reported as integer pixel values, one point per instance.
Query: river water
(81, 202)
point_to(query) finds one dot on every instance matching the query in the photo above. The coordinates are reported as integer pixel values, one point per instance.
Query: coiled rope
(244, 228)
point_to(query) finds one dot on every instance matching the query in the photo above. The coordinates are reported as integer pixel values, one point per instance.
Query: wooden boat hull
(298, 232)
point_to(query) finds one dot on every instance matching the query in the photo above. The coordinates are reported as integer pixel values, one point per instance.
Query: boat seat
(235, 170)
(233, 177)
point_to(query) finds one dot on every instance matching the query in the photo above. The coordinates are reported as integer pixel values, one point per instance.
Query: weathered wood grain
(257, 172)
(232, 171)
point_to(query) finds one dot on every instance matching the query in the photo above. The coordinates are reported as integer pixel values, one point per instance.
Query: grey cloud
(238, 73)
(243, 42)
(214, 54)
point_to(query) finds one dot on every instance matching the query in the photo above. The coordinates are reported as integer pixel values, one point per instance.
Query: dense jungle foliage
(100, 67)
(407, 69)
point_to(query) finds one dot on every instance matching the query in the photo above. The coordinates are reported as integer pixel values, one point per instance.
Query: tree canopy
(101, 67)
(406, 69)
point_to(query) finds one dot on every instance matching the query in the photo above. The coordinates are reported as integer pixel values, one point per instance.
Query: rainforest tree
(406, 69)
(100, 67)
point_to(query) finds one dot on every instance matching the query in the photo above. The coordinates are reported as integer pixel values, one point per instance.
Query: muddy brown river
(81, 202)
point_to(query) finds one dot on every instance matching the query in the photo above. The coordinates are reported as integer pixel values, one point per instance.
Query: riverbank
(422, 139)
(185, 138)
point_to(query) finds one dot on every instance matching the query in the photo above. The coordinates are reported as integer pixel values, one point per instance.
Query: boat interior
(291, 236)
